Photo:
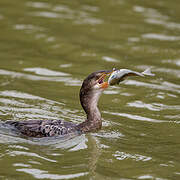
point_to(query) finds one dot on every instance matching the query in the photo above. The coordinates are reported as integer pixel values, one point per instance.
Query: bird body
(44, 128)
(90, 92)
(91, 89)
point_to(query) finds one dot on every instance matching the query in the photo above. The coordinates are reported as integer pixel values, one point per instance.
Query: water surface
(47, 48)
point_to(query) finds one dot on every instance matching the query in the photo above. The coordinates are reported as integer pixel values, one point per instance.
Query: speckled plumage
(44, 128)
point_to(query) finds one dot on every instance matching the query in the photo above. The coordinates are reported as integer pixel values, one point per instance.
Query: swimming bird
(90, 91)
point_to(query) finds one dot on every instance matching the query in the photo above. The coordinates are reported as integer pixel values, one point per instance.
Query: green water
(48, 47)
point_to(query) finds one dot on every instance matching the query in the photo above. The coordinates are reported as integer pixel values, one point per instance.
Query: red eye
(100, 81)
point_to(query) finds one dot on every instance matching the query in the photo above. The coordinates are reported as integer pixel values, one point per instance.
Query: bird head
(96, 81)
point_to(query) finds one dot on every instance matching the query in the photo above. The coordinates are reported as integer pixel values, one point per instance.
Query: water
(48, 47)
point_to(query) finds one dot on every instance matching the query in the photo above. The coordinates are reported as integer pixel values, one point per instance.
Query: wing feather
(43, 128)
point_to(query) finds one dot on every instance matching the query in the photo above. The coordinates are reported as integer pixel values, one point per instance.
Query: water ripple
(174, 72)
(23, 153)
(109, 59)
(21, 95)
(111, 135)
(140, 104)
(41, 174)
(21, 165)
(161, 37)
(137, 157)
(153, 106)
(153, 16)
(167, 24)
(135, 117)
(171, 61)
(67, 80)
(28, 27)
(47, 14)
(12, 101)
(150, 12)
(164, 85)
(45, 109)
(38, 4)
(45, 72)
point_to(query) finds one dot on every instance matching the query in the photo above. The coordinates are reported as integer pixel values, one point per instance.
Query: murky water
(48, 47)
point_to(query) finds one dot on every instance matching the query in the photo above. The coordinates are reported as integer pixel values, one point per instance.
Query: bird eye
(100, 81)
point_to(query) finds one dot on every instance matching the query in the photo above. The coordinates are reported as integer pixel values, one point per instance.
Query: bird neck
(89, 102)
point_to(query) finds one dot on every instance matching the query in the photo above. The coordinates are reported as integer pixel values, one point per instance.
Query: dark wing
(43, 128)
